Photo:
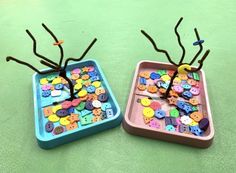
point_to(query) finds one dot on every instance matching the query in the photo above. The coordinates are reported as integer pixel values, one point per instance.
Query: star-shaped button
(172, 100)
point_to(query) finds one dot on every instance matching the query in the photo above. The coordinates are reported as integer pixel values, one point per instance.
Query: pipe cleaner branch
(157, 49)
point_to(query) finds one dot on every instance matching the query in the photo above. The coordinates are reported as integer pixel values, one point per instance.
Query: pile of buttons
(90, 105)
(182, 112)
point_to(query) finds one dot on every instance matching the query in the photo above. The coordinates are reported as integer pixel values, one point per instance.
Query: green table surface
(119, 48)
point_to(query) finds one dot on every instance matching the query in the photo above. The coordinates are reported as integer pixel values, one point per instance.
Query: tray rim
(128, 124)
(71, 132)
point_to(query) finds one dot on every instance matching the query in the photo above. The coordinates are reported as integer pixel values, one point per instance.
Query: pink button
(76, 71)
(154, 124)
(66, 104)
(155, 105)
(178, 89)
(91, 68)
(195, 91)
(46, 87)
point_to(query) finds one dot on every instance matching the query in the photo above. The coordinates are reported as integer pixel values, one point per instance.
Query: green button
(86, 120)
(51, 77)
(161, 72)
(174, 113)
(196, 76)
(194, 108)
(81, 106)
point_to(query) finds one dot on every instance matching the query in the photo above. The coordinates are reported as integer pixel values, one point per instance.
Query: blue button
(170, 128)
(89, 105)
(49, 126)
(59, 86)
(143, 81)
(180, 104)
(92, 73)
(46, 93)
(91, 89)
(154, 76)
(196, 130)
(94, 78)
(103, 97)
(187, 108)
(187, 95)
(62, 112)
(159, 113)
(109, 113)
(71, 110)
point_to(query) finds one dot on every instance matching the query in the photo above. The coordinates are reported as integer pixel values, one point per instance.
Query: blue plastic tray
(48, 140)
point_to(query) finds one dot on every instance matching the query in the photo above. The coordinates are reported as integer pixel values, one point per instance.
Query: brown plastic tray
(133, 119)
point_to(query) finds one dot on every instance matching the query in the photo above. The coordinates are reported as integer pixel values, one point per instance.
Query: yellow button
(43, 81)
(148, 112)
(165, 77)
(55, 108)
(64, 121)
(181, 69)
(56, 81)
(82, 93)
(145, 101)
(193, 123)
(79, 81)
(53, 118)
(177, 81)
(96, 84)
(78, 86)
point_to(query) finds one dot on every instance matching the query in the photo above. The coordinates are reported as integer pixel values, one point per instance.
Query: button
(47, 111)
(142, 80)
(185, 120)
(183, 128)
(164, 85)
(46, 93)
(99, 91)
(46, 87)
(145, 101)
(177, 81)
(196, 116)
(105, 106)
(89, 105)
(174, 113)
(86, 120)
(50, 78)
(97, 84)
(92, 97)
(193, 101)
(91, 89)
(187, 95)
(161, 72)
(49, 126)
(96, 104)
(170, 121)
(85, 69)
(162, 91)
(58, 130)
(84, 112)
(196, 130)
(91, 68)
(193, 123)
(73, 118)
(81, 106)
(53, 118)
(152, 89)
(144, 74)
(170, 128)
(79, 81)
(159, 83)
(173, 93)
(71, 110)
(195, 91)
(97, 112)
(75, 76)
(72, 126)
(165, 78)
(155, 105)
(87, 83)
(75, 102)
(188, 108)
(172, 100)
(109, 113)
(82, 93)
(204, 124)
(148, 112)
(141, 87)
(196, 76)
(180, 104)
(178, 89)
(85, 77)
(43, 81)
(78, 86)
(154, 76)
(147, 120)
(66, 104)
(84, 98)
(62, 112)
(96, 119)
(94, 78)
(182, 68)
(154, 124)
(55, 108)
(183, 76)
(56, 93)
(64, 121)
(59, 86)
(76, 71)
(160, 114)
(186, 86)
(103, 97)
(56, 81)
(92, 73)
(191, 82)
